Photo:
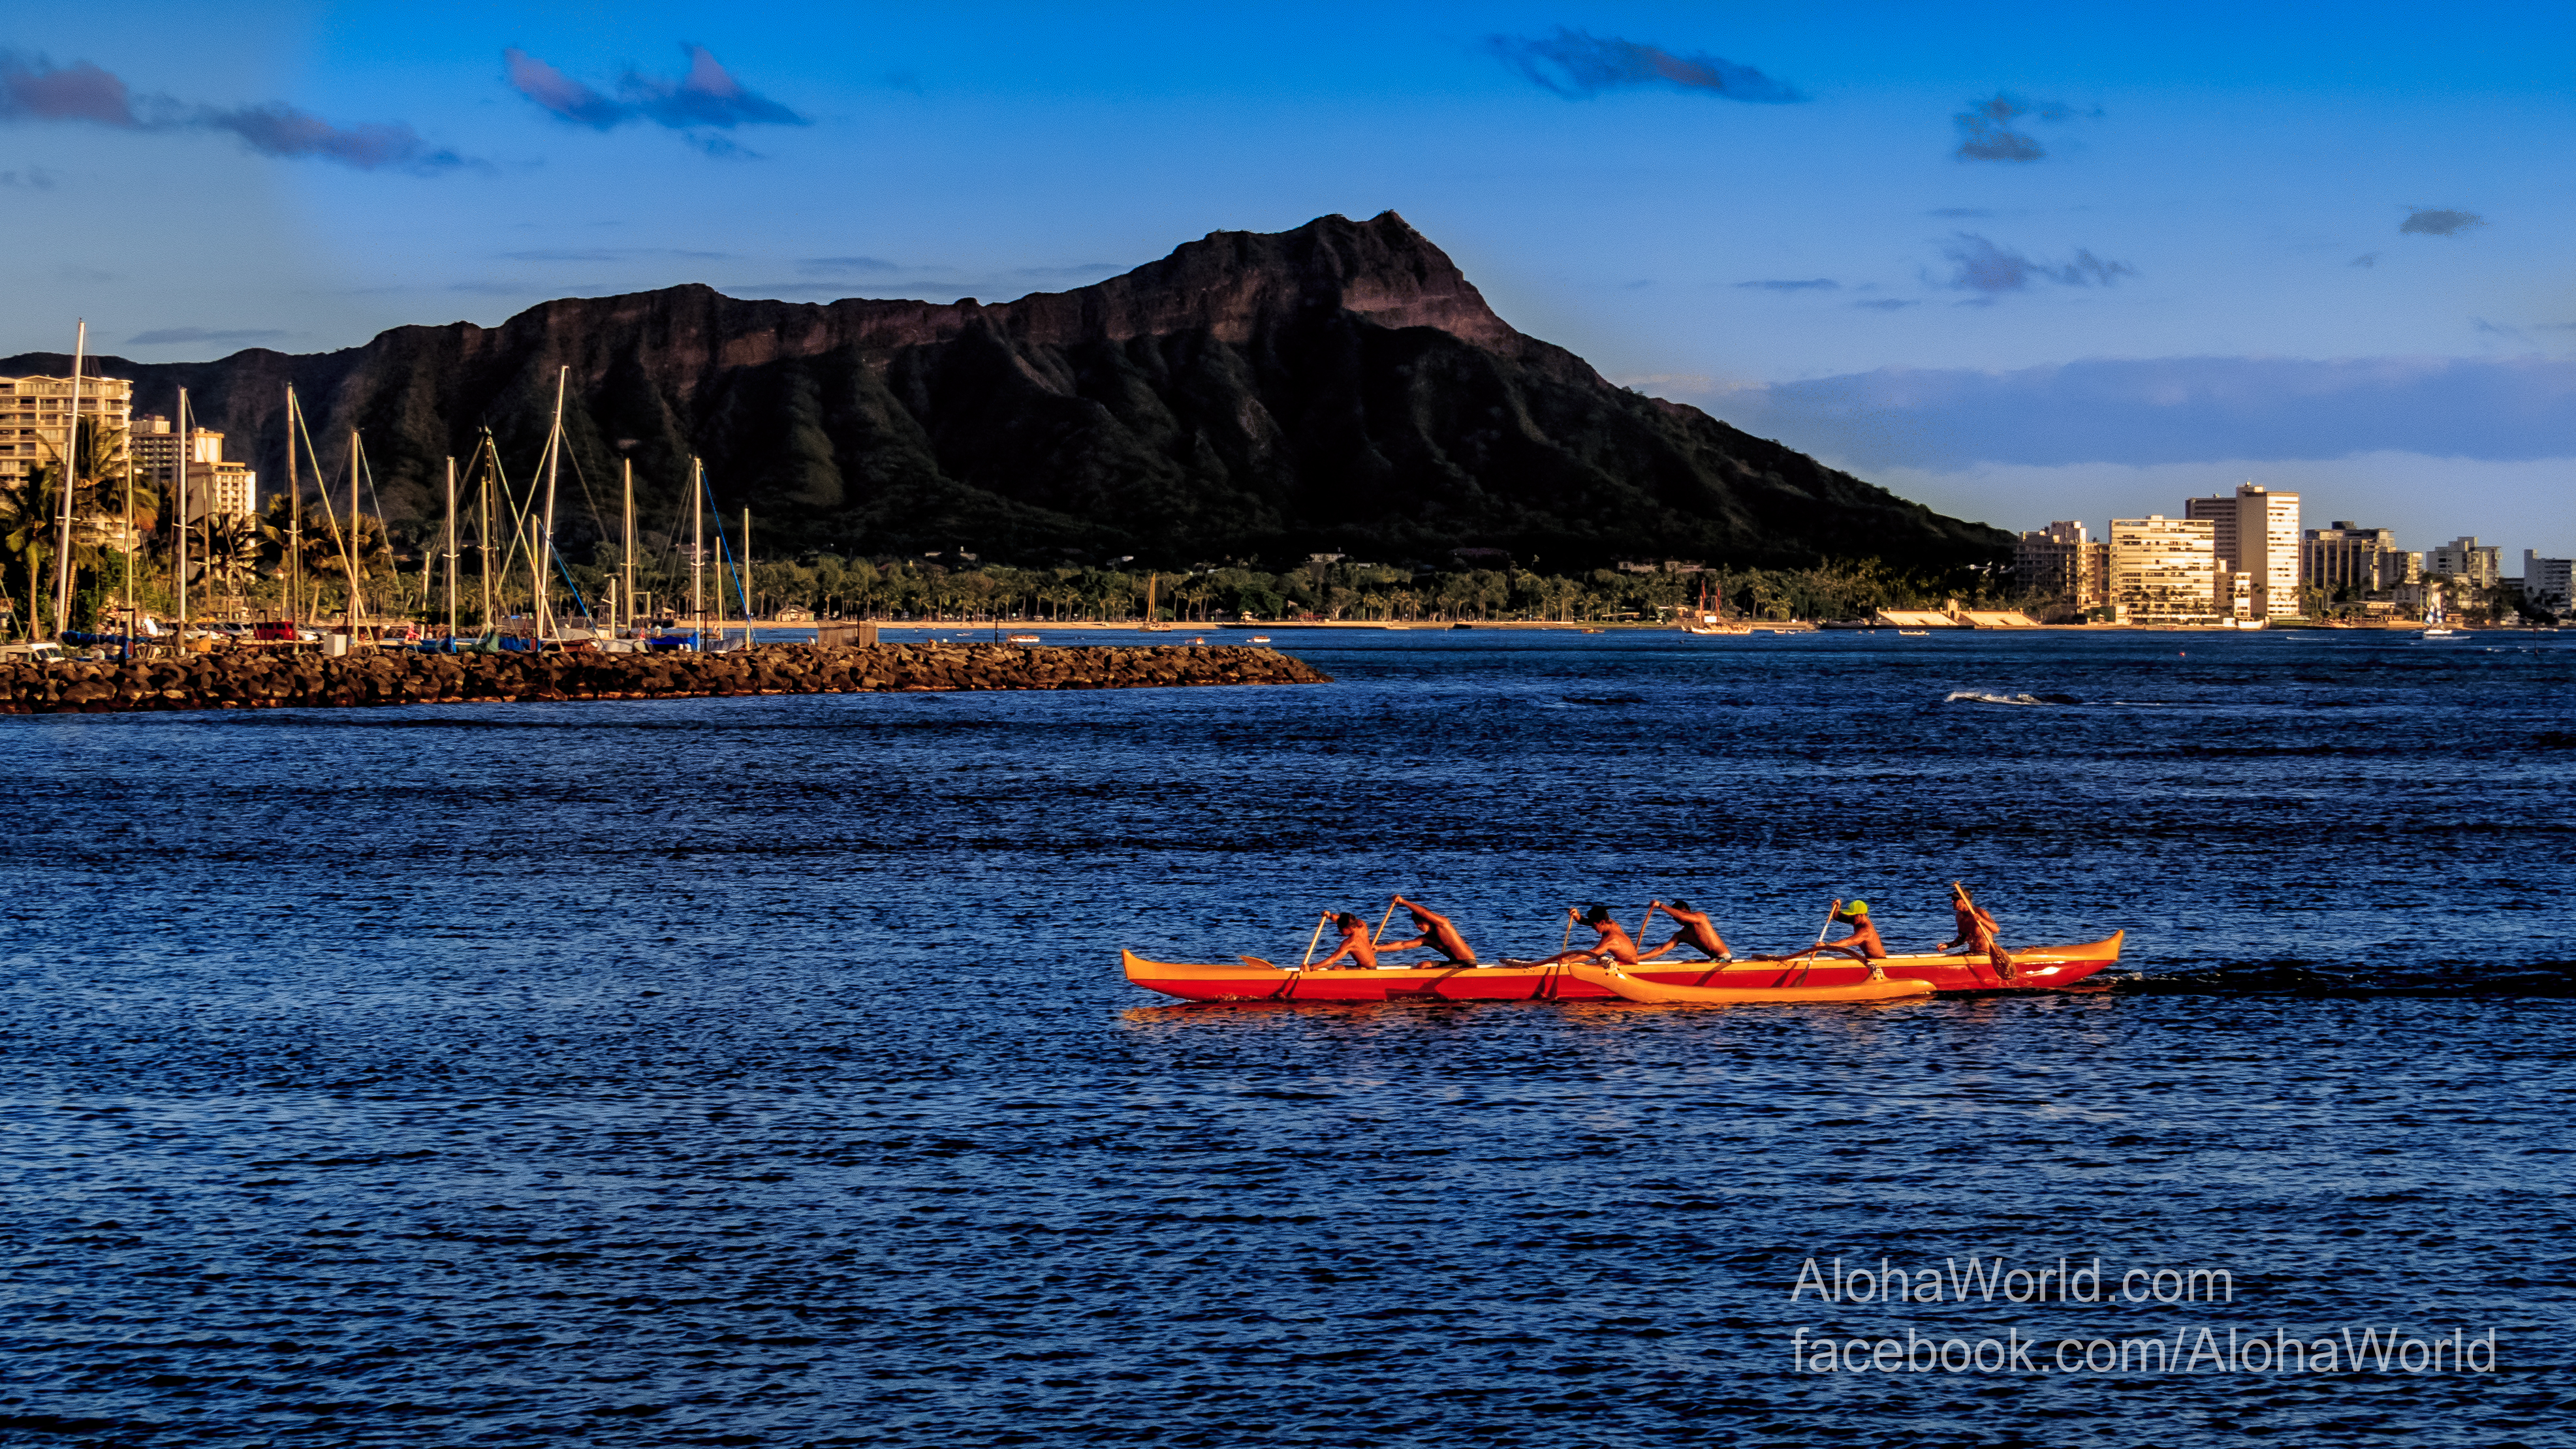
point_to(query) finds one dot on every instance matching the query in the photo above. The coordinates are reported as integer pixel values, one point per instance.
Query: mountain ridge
(1339, 386)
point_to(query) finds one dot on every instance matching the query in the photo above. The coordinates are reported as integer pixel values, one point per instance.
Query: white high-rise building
(2061, 562)
(2255, 532)
(216, 488)
(2467, 560)
(2547, 581)
(2165, 570)
(35, 416)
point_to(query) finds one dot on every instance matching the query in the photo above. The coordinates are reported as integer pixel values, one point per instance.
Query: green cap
(1853, 908)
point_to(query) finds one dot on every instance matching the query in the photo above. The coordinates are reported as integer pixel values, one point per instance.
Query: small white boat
(1915, 633)
(1260, 638)
(1024, 638)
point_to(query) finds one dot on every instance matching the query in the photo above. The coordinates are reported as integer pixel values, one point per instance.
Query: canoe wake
(1982, 696)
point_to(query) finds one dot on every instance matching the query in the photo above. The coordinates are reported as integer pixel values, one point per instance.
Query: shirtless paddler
(1977, 932)
(1355, 945)
(1433, 930)
(1613, 945)
(1696, 930)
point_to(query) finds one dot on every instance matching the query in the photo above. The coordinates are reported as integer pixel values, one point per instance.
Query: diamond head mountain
(1340, 387)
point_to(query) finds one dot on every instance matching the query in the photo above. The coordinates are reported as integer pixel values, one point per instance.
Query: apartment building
(2061, 562)
(216, 488)
(2347, 559)
(2165, 570)
(2547, 582)
(2255, 532)
(36, 414)
(2467, 560)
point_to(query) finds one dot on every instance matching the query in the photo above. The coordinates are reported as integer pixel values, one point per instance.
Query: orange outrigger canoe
(1631, 988)
(1790, 978)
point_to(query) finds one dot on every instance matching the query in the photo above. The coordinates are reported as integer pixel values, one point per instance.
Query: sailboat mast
(294, 521)
(748, 608)
(352, 554)
(554, 463)
(697, 547)
(125, 645)
(182, 555)
(626, 550)
(720, 559)
(451, 550)
(71, 468)
(483, 537)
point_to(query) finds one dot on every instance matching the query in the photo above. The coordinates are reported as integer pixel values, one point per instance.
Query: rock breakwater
(258, 679)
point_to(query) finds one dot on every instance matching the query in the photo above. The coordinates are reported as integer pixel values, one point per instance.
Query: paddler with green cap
(1863, 941)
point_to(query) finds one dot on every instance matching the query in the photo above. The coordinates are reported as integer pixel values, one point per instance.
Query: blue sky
(2020, 265)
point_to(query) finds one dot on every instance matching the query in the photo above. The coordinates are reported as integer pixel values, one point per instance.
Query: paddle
(1315, 938)
(1820, 943)
(1382, 920)
(1999, 962)
(1547, 983)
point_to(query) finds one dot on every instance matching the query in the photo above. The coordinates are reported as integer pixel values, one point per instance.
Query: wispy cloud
(1811, 284)
(2436, 221)
(700, 101)
(1887, 304)
(1574, 65)
(1987, 128)
(707, 95)
(609, 254)
(33, 88)
(567, 99)
(1697, 383)
(2175, 410)
(34, 178)
(282, 130)
(1978, 265)
(165, 336)
(839, 266)
(2366, 259)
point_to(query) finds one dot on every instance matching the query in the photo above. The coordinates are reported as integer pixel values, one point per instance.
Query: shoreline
(1216, 633)
(252, 679)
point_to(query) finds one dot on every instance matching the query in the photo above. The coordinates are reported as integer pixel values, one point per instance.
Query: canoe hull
(1657, 993)
(2038, 969)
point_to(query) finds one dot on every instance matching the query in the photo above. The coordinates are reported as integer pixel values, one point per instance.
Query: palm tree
(97, 501)
(320, 559)
(26, 534)
(234, 546)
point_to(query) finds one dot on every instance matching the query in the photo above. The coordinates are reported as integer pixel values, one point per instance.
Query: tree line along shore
(253, 582)
(250, 678)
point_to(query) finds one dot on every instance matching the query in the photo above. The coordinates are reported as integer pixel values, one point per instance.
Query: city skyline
(2014, 275)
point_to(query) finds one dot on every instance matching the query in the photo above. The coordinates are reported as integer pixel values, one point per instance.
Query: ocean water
(760, 1072)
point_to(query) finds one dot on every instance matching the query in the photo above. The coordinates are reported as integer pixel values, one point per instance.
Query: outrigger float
(1799, 978)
